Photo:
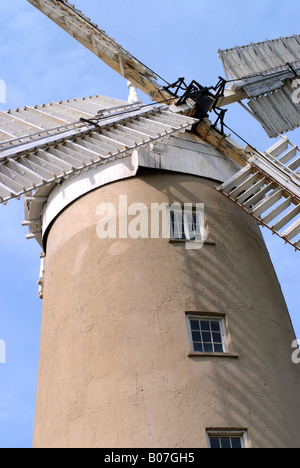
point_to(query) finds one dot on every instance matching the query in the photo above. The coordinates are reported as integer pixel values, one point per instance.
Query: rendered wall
(114, 366)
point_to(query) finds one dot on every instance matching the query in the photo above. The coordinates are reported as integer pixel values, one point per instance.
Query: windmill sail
(268, 188)
(74, 22)
(35, 155)
(44, 145)
(261, 58)
(268, 73)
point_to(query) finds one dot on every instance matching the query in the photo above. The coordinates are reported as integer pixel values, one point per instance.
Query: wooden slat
(98, 42)
(51, 159)
(247, 60)
(266, 200)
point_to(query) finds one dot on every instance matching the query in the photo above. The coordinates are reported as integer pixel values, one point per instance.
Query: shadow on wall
(236, 277)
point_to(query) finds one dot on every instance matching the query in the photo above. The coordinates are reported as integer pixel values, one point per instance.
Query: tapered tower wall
(115, 363)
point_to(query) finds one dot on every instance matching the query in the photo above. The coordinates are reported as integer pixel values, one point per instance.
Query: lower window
(207, 334)
(228, 439)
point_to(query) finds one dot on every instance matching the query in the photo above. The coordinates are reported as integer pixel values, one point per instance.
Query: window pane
(236, 442)
(177, 226)
(218, 348)
(206, 337)
(205, 325)
(225, 443)
(208, 348)
(196, 336)
(214, 442)
(191, 225)
(215, 326)
(195, 325)
(217, 338)
(198, 348)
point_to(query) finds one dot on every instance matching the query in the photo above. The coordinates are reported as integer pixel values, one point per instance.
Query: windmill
(56, 154)
(265, 74)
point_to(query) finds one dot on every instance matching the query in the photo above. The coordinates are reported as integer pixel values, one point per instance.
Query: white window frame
(209, 318)
(228, 433)
(184, 211)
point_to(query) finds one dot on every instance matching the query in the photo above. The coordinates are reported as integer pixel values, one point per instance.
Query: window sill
(175, 241)
(213, 355)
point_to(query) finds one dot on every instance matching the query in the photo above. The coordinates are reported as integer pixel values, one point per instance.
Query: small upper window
(184, 226)
(227, 439)
(207, 334)
(187, 224)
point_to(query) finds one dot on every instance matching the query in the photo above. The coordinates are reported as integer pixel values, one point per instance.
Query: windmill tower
(150, 341)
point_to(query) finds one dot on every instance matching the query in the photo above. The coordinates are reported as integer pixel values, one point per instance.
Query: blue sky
(41, 63)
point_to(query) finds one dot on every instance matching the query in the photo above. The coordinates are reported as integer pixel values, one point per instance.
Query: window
(207, 334)
(184, 226)
(187, 224)
(227, 439)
